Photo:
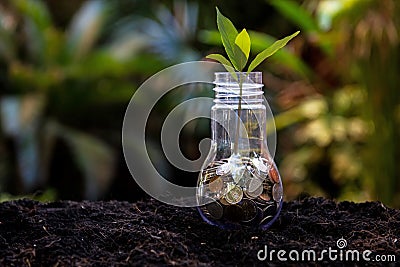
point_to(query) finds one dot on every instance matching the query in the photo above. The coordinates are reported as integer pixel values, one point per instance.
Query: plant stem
(236, 144)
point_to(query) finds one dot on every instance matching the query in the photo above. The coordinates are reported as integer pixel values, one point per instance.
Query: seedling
(237, 47)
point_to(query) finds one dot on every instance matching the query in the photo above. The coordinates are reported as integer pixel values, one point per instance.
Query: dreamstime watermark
(136, 118)
(338, 253)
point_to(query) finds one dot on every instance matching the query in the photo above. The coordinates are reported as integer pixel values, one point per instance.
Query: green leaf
(270, 51)
(221, 59)
(243, 41)
(283, 57)
(240, 58)
(297, 14)
(228, 35)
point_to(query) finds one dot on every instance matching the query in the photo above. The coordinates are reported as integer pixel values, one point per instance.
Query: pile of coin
(247, 191)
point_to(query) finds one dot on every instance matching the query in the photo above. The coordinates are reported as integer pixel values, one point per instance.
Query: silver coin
(277, 192)
(249, 210)
(260, 176)
(259, 164)
(256, 193)
(215, 210)
(238, 173)
(223, 169)
(253, 184)
(234, 195)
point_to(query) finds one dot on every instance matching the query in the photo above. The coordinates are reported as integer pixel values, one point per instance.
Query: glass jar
(239, 184)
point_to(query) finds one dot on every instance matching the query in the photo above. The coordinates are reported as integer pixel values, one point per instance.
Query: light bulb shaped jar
(239, 184)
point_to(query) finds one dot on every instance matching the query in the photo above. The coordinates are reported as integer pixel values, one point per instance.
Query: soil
(114, 233)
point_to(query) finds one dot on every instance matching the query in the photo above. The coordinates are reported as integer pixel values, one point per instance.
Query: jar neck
(245, 88)
(239, 115)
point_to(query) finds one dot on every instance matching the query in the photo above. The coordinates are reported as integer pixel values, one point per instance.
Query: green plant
(237, 46)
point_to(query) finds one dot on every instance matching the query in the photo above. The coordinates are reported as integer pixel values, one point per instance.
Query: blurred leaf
(23, 75)
(308, 109)
(270, 51)
(85, 28)
(127, 46)
(36, 11)
(7, 48)
(297, 14)
(20, 116)
(36, 22)
(210, 37)
(46, 196)
(95, 158)
(166, 35)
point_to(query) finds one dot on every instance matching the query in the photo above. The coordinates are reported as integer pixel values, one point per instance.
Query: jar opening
(244, 77)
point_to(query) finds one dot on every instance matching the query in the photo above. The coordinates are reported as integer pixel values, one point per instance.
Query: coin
(249, 210)
(223, 201)
(260, 176)
(237, 173)
(223, 169)
(234, 213)
(245, 177)
(234, 195)
(277, 192)
(255, 193)
(215, 210)
(265, 196)
(259, 164)
(253, 184)
(274, 175)
(216, 184)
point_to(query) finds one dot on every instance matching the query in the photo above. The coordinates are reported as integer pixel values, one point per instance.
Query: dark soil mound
(85, 233)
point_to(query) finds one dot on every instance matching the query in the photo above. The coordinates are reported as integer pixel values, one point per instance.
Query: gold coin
(234, 195)
(223, 201)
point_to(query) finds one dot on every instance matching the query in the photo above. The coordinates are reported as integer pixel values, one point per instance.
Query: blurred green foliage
(69, 78)
(349, 149)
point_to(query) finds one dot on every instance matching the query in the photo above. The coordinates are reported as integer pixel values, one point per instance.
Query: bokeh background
(69, 68)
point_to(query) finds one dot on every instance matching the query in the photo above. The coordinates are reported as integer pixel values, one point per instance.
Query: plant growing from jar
(239, 184)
